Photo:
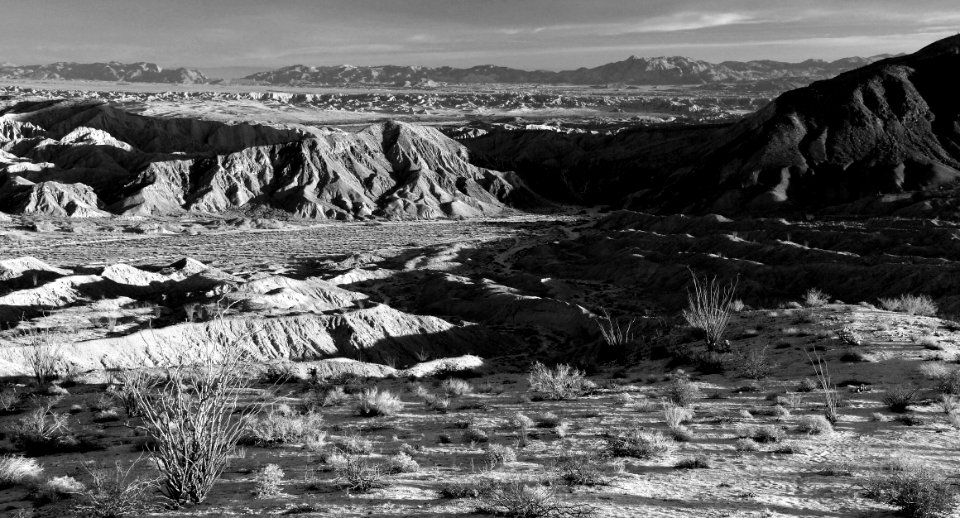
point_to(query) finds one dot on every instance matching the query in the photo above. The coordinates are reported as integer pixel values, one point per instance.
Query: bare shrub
(675, 416)
(899, 397)
(267, 482)
(919, 492)
(518, 500)
(354, 445)
(755, 363)
(194, 418)
(374, 402)
(911, 304)
(709, 309)
(43, 431)
(42, 355)
(815, 298)
(356, 474)
(16, 469)
(436, 403)
(500, 454)
(113, 493)
(465, 489)
(582, 470)
(558, 383)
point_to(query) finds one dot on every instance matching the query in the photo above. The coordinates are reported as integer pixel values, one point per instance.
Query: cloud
(684, 21)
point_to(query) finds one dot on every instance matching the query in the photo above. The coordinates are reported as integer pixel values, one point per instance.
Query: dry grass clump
(43, 356)
(16, 469)
(112, 493)
(814, 425)
(43, 431)
(518, 500)
(639, 444)
(946, 379)
(709, 309)
(815, 298)
(374, 402)
(267, 481)
(354, 445)
(899, 397)
(559, 383)
(911, 304)
(761, 434)
(918, 492)
(616, 332)
(454, 387)
(282, 426)
(755, 363)
(436, 403)
(59, 488)
(697, 462)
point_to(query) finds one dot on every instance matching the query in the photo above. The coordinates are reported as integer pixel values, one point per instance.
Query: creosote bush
(374, 402)
(401, 463)
(638, 443)
(267, 481)
(911, 304)
(917, 491)
(516, 499)
(814, 425)
(681, 391)
(356, 474)
(558, 383)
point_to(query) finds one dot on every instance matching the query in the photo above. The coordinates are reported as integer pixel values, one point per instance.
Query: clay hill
(86, 159)
(112, 71)
(884, 138)
(676, 70)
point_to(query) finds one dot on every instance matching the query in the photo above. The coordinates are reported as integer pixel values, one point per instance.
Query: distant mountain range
(632, 71)
(112, 71)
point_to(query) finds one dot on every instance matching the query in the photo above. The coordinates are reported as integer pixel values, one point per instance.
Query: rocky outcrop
(147, 166)
(74, 200)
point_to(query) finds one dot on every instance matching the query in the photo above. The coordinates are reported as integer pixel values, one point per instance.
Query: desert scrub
(356, 474)
(746, 444)
(899, 397)
(402, 462)
(616, 332)
(43, 431)
(267, 481)
(42, 355)
(698, 462)
(917, 491)
(675, 416)
(112, 493)
(374, 402)
(465, 489)
(454, 387)
(558, 383)
(681, 391)
(58, 488)
(280, 426)
(911, 304)
(814, 425)
(16, 469)
(354, 445)
(436, 403)
(500, 454)
(582, 470)
(815, 298)
(709, 309)
(755, 363)
(474, 434)
(639, 444)
(519, 500)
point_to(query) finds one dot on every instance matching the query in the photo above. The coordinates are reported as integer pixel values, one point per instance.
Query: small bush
(355, 474)
(814, 298)
(372, 402)
(401, 463)
(279, 427)
(436, 403)
(899, 397)
(767, 434)
(113, 493)
(814, 425)
(454, 387)
(331, 397)
(267, 481)
(755, 363)
(681, 391)
(918, 492)
(43, 432)
(709, 309)
(911, 305)
(354, 445)
(474, 434)
(499, 454)
(581, 470)
(639, 444)
(547, 420)
(468, 489)
(698, 462)
(16, 469)
(558, 383)
(675, 416)
(518, 500)
(746, 444)
(806, 385)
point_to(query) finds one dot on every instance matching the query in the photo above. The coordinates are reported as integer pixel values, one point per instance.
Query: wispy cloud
(684, 21)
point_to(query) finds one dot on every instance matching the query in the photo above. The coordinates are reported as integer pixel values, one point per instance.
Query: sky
(529, 34)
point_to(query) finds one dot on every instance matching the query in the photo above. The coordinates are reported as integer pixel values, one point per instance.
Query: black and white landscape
(264, 282)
